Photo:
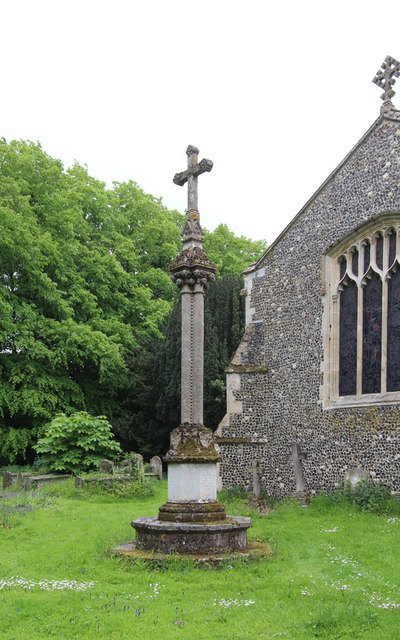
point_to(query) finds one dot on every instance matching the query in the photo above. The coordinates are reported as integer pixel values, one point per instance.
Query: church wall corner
(287, 402)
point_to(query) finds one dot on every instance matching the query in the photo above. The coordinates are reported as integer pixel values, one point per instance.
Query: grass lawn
(334, 573)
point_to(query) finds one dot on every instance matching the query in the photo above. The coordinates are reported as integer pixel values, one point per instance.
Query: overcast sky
(275, 93)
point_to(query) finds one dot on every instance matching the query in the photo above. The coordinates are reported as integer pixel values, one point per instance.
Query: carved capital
(192, 443)
(192, 267)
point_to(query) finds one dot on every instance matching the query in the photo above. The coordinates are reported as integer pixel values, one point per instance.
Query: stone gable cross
(191, 174)
(385, 78)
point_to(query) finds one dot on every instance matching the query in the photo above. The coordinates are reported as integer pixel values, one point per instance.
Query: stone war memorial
(192, 521)
(313, 391)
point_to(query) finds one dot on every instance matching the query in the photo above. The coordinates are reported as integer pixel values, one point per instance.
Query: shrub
(374, 498)
(77, 442)
(106, 486)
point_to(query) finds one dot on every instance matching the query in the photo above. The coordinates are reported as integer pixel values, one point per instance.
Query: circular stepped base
(254, 550)
(225, 537)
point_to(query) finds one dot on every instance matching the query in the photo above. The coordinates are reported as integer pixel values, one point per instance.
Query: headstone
(297, 456)
(7, 479)
(354, 476)
(156, 467)
(256, 479)
(106, 466)
(137, 467)
(125, 466)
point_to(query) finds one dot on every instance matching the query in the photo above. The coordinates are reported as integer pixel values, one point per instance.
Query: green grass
(334, 574)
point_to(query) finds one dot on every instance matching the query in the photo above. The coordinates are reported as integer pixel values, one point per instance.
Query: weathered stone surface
(192, 512)
(254, 550)
(175, 537)
(7, 479)
(192, 443)
(385, 78)
(137, 471)
(192, 267)
(29, 481)
(102, 481)
(156, 467)
(106, 466)
(297, 457)
(190, 176)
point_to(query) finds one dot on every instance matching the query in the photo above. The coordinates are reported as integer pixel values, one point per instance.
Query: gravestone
(137, 467)
(354, 476)
(106, 466)
(297, 456)
(255, 467)
(7, 479)
(156, 467)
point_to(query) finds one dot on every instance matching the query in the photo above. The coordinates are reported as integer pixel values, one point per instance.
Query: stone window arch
(361, 327)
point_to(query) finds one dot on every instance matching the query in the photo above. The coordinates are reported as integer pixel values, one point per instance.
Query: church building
(313, 391)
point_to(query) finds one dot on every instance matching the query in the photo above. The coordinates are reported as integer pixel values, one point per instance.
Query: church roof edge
(394, 115)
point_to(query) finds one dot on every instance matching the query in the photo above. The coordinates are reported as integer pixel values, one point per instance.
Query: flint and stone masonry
(282, 384)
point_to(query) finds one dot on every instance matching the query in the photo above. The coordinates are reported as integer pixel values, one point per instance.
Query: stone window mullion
(384, 313)
(359, 322)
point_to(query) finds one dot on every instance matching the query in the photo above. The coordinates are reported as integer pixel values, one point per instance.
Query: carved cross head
(386, 77)
(192, 229)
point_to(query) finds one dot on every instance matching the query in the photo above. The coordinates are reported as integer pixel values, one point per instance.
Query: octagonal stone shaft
(192, 359)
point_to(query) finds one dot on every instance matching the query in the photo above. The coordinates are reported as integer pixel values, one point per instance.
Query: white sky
(275, 93)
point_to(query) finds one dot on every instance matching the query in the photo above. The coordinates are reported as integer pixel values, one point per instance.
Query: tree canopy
(85, 291)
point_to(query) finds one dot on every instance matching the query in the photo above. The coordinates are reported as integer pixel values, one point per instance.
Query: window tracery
(362, 340)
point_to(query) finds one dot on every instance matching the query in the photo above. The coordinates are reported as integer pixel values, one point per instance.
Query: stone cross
(192, 270)
(191, 174)
(385, 79)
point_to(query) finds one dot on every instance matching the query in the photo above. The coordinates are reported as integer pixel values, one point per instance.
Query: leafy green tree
(230, 253)
(83, 287)
(77, 442)
(84, 293)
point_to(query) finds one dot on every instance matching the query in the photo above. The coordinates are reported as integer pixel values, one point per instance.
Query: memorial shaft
(192, 359)
(192, 521)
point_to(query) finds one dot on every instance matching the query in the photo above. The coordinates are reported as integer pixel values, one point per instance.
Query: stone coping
(152, 523)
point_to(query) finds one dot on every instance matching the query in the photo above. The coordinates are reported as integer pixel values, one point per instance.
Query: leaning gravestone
(156, 467)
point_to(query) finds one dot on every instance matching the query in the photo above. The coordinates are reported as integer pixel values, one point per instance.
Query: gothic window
(362, 343)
